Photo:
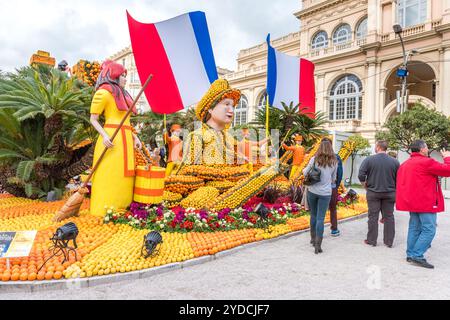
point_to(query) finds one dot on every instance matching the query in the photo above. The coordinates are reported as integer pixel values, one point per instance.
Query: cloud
(96, 29)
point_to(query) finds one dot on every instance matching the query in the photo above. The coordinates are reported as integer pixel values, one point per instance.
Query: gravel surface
(289, 269)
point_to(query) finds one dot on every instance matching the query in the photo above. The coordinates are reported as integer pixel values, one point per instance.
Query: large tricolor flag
(179, 54)
(290, 79)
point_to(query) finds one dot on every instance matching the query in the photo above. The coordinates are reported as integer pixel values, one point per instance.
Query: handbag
(312, 176)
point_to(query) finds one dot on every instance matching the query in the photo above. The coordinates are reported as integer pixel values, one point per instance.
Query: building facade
(356, 54)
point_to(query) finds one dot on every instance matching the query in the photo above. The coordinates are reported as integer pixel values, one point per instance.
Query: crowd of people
(413, 186)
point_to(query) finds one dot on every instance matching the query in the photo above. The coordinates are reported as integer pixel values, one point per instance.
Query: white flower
(204, 221)
(167, 215)
(106, 219)
(109, 211)
(249, 224)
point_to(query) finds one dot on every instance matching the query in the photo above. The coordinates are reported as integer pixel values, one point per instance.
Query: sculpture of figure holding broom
(113, 180)
(114, 168)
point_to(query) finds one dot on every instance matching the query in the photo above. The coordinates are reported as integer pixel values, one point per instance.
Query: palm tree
(23, 147)
(52, 96)
(43, 116)
(292, 119)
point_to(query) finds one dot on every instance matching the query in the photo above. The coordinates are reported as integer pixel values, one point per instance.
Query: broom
(72, 206)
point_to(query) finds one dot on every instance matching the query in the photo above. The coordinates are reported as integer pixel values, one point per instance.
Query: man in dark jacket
(419, 192)
(378, 174)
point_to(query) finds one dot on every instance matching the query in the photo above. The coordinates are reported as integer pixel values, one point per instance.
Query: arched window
(346, 98)
(262, 99)
(260, 103)
(240, 112)
(411, 12)
(361, 29)
(342, 34)
(320, 40)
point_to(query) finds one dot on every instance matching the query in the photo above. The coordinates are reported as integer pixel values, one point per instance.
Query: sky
(96, 29)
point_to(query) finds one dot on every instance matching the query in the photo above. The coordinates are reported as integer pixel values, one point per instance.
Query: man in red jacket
(419, 192)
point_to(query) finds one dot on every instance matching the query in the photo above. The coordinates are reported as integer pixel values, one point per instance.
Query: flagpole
(267, 128)
(165, 128)
(165, 133)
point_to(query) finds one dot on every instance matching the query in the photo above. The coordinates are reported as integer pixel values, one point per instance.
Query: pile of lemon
(123, 253)
(272, 231)
(200, 198)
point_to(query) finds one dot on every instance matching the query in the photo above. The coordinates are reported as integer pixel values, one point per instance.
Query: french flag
(290, 79)
(179, 54)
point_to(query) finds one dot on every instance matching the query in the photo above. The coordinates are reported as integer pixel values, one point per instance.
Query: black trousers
(384, 202)
(333, 209)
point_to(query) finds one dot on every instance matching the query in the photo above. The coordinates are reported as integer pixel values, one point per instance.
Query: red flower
(229, 219)
(173, 223)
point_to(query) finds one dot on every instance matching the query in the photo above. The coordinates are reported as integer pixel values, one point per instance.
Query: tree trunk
(351, 170)
(79, 166)
(53, 125)
(7, 172)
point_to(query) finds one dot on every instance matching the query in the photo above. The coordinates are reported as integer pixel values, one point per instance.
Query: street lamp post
(402, 72)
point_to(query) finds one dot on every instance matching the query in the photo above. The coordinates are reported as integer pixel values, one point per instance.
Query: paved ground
(288, 269)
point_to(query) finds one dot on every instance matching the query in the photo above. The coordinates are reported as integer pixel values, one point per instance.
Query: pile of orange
(183, 184)
(300, 223)
(92, 234)
(210, 243)
(216, 173)
(111, 248)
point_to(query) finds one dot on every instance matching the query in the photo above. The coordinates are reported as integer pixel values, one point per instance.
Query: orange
(40, 276)
(23, 276)
(6, 276)
(60, 268)
(49, 275)
(57, 275)
(51, 268)
(32, 276)
(15, 276)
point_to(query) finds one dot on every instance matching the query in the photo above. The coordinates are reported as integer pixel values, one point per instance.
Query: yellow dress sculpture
(113, 180)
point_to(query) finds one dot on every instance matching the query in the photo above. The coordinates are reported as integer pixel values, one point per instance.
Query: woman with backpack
(320, 174)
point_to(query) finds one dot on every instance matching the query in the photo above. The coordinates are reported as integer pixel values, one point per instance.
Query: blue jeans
(421, 232)
(318, 206)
